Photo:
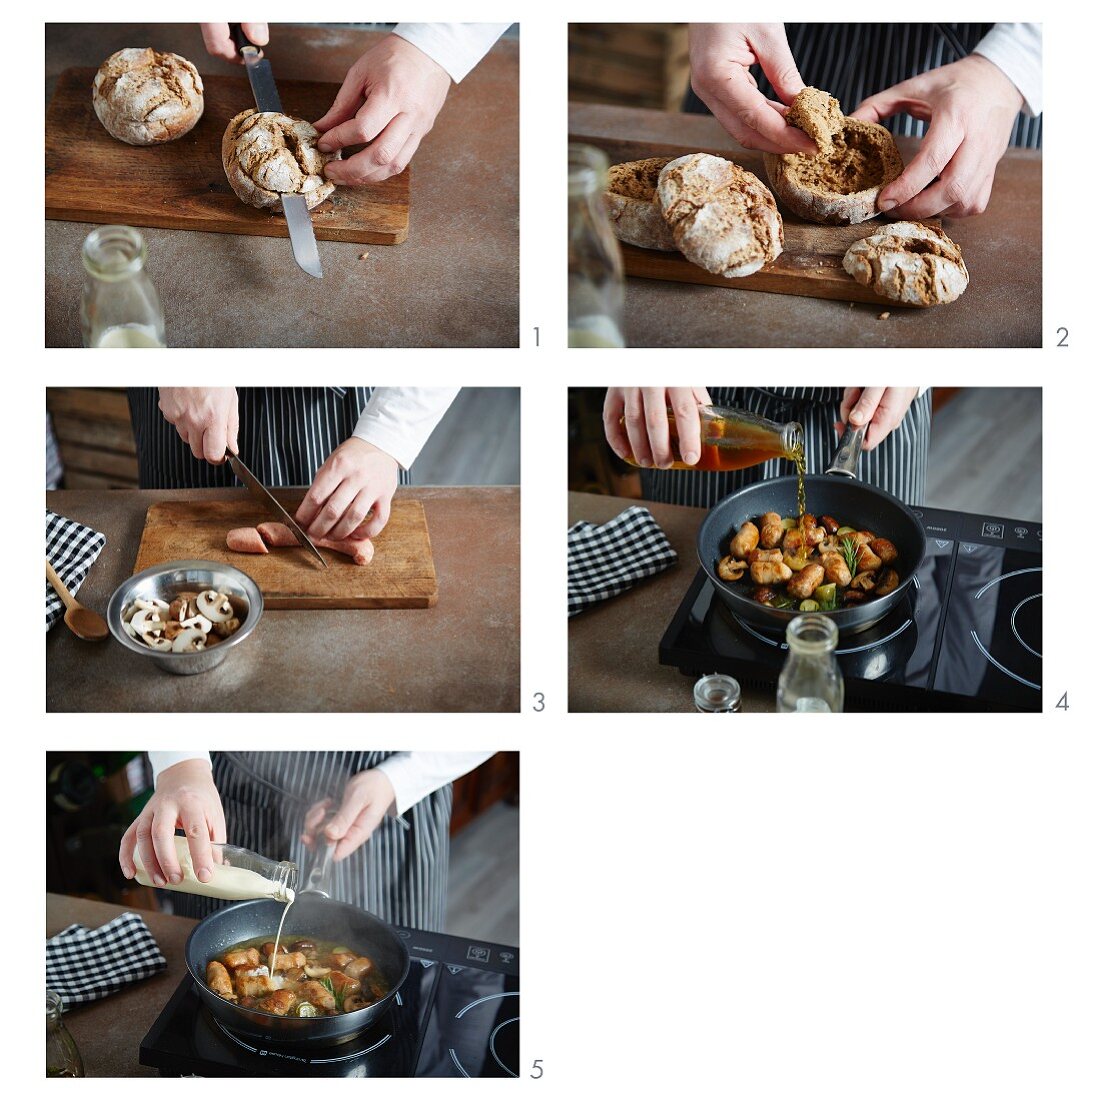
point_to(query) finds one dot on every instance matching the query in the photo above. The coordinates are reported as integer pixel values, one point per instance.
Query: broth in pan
(306, 977)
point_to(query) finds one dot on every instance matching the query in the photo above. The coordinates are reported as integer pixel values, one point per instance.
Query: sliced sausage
(771, 530)
(745, 541)
(770, 572)
(835, 569)
(802, 585)
(246, 540)
(884, 550)
(216, 978)
(279, 1002)
(318, 995)
(278, 534)
(243, 957)
(360, 550)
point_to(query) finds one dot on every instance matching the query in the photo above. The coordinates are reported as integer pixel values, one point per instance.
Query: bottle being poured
(238, 874)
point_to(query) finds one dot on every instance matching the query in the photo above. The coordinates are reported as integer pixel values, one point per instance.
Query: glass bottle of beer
(595, 262)
(733, 439)
(120, 307)
(62, 1056)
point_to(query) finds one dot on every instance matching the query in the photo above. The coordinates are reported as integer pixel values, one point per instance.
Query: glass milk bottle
(62, 1056)
(596, 264)
(120, 307)
(238, 874)
(810, 681)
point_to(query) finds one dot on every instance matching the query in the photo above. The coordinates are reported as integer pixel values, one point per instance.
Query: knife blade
(265, 497)
(295, 207)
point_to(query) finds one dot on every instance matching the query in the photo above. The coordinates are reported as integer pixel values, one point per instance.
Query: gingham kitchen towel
(606, 559)
(71, 548)
(84, 964)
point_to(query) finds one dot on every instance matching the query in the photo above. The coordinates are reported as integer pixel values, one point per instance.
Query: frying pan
(312, 914)
(835, 493)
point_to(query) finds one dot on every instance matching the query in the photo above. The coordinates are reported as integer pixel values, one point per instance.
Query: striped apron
(285, 435)
(399, 873)
(898, 465)
(853, 61)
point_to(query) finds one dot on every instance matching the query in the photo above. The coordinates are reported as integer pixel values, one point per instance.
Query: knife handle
(240, 39)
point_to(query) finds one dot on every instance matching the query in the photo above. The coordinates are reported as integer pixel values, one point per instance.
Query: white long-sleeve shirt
(1015, 48)
(413, 775)
(399, 419)
(456, 47)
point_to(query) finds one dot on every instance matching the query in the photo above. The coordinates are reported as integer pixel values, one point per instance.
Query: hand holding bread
(970, 107)
(389, 99)
(721, 54)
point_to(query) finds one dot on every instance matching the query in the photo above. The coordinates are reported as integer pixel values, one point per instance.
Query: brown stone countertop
(452, 283)
(461, 655)
(108, 1033)
(613, 645)
(1002, 248)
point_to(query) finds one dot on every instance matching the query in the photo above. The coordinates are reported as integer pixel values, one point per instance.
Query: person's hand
(185, 798)
(636, 422)
(356, 479)
(721, 54)
(367, 798)
(218, 39)
(390, 98)
(969, 107)
(206, 418)
(881, 407)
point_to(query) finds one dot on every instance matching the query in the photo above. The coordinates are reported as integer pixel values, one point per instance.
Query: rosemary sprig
(850, 555)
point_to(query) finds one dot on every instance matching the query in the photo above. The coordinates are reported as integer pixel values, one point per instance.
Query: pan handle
(845, 461)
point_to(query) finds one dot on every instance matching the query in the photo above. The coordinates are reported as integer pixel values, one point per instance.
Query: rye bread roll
(267, 155)
(841, 187)
(144, 97)
(912, 263)
(722, 217)
(633, 208)
(818, 114)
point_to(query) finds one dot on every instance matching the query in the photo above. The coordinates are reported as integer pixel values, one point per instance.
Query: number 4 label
(1062, 703)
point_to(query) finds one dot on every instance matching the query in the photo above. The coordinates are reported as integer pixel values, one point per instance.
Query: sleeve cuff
(161, 761)
(456, 47)
(1015, 49)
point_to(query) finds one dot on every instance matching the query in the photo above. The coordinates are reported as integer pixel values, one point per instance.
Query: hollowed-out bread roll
(144, 97)
(722, 217)
(267, 155)
(841, 187)
(633, 209)
(912, 263)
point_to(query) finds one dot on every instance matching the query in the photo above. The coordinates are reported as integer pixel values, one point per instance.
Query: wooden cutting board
(93, 177)
(811, 263)
(400, 575)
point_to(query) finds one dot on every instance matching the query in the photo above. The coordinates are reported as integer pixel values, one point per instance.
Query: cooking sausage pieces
(246, 540)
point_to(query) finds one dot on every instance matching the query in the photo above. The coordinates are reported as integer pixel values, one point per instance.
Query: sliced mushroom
(215, 606)
(179, 609)
(314, 971)
(352, 1002)
(226, 630)
(729, 569)
(191, 640)
(200, 621)
(159, 643)
(147, 621)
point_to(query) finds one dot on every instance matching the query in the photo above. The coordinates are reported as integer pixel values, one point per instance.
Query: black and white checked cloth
(84, 964)
(605, 560)
(71, 548)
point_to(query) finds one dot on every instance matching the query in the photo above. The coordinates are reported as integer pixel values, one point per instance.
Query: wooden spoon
(82, 621)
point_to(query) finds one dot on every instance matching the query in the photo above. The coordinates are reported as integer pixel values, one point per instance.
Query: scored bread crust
(633, 207)
(864, 160)
(912, 263)
(267, 155)
(144, 97)
(722, 217)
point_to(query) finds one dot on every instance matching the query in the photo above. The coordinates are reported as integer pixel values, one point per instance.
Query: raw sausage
(246, 540)
(360, 550)
(277, 535)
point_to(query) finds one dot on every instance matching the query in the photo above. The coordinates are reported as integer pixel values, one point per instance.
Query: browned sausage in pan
(802, 585)
(745, 540)
(835, 569)
(771, 530)
(884, 550)
(771, 572)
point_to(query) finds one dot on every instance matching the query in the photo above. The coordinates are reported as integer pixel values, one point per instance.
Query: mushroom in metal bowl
(185, 615)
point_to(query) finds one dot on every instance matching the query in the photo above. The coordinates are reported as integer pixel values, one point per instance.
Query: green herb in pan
(849, 550)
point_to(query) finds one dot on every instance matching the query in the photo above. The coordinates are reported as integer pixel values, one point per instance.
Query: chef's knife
(262, 494)
(260, 74)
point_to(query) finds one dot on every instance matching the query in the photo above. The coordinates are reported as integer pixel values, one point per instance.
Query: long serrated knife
(260, 74)
(265, 497)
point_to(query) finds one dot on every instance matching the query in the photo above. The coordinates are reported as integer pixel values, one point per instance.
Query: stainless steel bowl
(165, 582)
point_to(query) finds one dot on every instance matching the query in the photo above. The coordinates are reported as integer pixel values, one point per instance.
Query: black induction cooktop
(457, 1015)
(967, 636)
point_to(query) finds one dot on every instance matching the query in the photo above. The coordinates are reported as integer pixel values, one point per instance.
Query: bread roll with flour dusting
(144, 97)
